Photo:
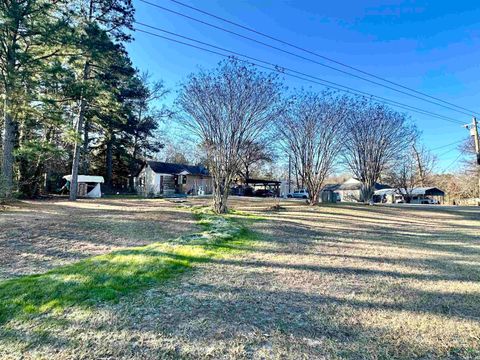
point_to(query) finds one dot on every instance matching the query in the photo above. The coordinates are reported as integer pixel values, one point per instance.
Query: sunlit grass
(111, 276)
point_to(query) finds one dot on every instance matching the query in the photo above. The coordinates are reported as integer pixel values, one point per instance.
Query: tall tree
(375, 137)
(100, 23)
(30, 34)
(227, 109)
(312, 132)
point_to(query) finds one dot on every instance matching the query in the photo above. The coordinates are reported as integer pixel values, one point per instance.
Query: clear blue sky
(431, 46)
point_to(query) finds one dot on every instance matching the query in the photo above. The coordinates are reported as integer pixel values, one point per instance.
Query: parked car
(426, 201)
(298, 194)
(264, 193)
(417, 200)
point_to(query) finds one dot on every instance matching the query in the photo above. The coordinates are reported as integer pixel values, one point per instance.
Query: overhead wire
(453, 162)
(447, 145)
(282, 69)
(312, 53)
(470, 112)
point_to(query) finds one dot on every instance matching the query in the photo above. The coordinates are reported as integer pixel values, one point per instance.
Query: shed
(329, 194)
(88, 185)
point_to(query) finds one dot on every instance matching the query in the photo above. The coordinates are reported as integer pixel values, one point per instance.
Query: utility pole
(289, 172)
(476, 139)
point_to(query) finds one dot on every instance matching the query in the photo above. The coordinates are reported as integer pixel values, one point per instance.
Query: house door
(161, 184)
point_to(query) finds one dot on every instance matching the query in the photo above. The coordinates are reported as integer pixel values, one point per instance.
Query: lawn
(151, 279)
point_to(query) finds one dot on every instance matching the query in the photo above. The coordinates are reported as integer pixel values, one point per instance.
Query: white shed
(88, 185)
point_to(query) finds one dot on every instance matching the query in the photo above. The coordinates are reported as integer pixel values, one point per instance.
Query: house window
(184, 179)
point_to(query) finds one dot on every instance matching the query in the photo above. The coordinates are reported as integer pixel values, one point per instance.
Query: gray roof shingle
(170, 168)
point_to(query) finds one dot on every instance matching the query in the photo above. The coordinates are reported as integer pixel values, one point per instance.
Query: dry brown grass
(39, 235)
(331, 282)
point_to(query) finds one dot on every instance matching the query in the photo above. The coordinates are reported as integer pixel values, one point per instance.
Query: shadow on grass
(106, 277)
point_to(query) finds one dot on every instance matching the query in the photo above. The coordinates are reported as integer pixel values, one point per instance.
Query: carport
(430, 192)
(272, 185)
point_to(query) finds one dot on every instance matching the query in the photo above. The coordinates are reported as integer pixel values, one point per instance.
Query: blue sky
(431, 46)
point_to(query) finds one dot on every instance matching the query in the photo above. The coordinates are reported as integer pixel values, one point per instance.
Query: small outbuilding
(329, 194)
(88, 185)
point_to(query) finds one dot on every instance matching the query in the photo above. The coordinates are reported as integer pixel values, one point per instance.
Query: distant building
(329, 193)
(167, 179)
(350, 190)
(418, 195)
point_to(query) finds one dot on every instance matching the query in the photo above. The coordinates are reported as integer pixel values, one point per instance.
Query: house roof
(86, 179)
(432, 191)
(262, 181)
(386, 192)
(354, 184)
(331, 187)
(175, 169)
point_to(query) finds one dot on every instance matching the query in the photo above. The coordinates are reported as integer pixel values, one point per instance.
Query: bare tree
(375, 137)
(143, 125)
(411, 170)
(425, 163)
(228, 108)
(311, 131)
(254, 153)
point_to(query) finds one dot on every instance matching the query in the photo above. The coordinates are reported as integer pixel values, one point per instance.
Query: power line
(446, 152)
(453, 162)
(447, 145)
(283, 70)
(301, 57)
(470, 112)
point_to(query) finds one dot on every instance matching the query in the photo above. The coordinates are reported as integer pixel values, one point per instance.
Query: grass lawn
(343, 281)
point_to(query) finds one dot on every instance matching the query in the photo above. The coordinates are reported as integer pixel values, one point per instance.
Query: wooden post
(474, 132)
(289, 172)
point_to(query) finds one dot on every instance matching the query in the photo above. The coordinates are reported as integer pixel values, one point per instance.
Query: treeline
(72, 101)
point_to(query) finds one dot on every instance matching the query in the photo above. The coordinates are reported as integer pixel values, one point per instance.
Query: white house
(164, 179)
(350, 190)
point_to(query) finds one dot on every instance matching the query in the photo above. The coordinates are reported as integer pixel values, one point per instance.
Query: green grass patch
(111, 276)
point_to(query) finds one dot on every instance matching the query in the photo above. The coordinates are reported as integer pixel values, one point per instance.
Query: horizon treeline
(72, 102)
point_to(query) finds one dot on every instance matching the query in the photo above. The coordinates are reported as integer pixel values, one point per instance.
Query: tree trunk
(133, 163)
(85, 154)
(24, 167)
(367, 190)
(8, 137)
(220, 196)
(109, 163)
(78, 131)
(314, 197)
